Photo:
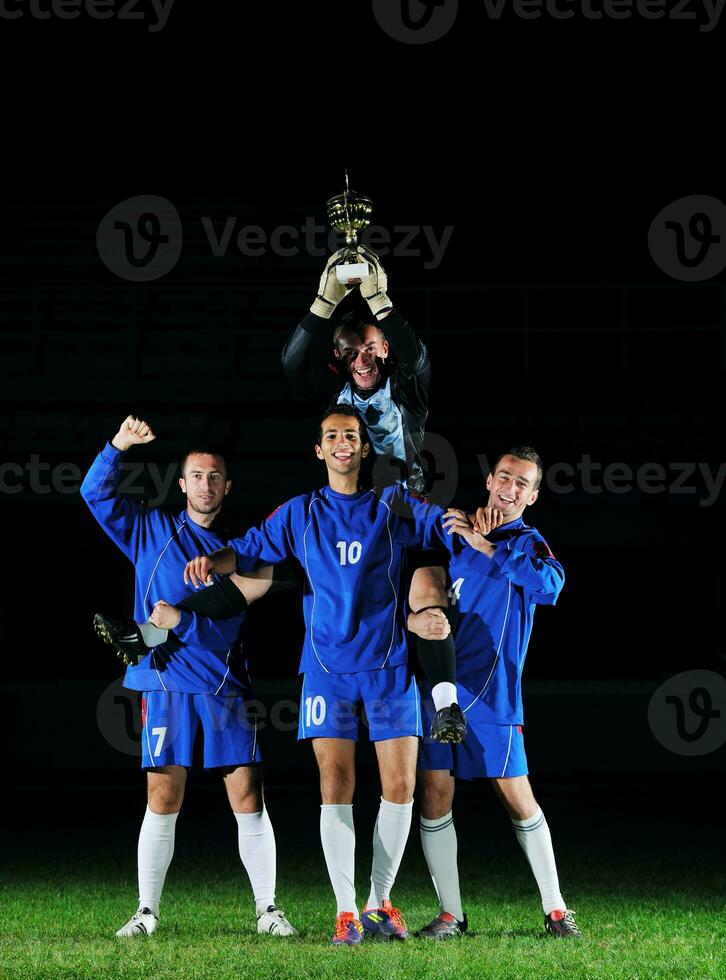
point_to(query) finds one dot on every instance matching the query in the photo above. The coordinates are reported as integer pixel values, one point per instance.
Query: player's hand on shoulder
(429, 624)
(457, 521)
(132, 432)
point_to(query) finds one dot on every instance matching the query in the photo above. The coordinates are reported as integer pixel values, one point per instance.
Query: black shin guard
(223, 600)
(437, 657)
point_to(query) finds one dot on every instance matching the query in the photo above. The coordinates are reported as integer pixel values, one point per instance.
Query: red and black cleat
(444, 926)
(561, 924)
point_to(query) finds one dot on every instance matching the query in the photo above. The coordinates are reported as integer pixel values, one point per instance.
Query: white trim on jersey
(499, 647)
(302, 707)
(254, 743)
(509, 749)
(393, 587)
(148, 587)
(224, 679)
(310, 580)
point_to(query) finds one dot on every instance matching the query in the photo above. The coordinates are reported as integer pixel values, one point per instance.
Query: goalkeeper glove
(330, 291)
(373, 287)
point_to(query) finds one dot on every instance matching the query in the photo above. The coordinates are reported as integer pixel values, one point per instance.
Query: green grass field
(647, 911)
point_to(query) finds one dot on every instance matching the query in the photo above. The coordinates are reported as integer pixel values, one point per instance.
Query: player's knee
(337, 784)
(165, 801)
(399, 788)
(435, 800)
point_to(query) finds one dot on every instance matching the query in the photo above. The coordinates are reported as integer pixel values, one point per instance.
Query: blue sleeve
(272, 542)
(427, 518)
(527, 561)
(119, 516)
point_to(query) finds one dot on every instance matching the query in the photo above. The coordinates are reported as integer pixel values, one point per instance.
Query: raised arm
(304, 354)
(119, 516)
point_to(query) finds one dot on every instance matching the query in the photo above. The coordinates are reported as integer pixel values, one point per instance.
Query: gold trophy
(350, 212)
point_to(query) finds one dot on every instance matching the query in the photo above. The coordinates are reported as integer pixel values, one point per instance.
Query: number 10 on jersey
(350, 552)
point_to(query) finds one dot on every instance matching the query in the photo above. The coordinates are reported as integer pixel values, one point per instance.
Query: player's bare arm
(132, 432)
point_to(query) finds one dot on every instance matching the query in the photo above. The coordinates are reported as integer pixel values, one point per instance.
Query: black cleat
(449, 725)
(124, 635)
(444, 926)
(562, 925)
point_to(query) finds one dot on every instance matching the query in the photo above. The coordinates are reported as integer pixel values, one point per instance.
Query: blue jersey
(351, 548)
(495, 600)
(206, 656)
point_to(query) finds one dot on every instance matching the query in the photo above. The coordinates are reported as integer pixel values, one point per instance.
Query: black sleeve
(305, 357)
(409, 350)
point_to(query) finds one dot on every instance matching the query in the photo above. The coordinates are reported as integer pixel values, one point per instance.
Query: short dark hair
(205, 451)
(525, 453)
(343, 408)
(356, 322)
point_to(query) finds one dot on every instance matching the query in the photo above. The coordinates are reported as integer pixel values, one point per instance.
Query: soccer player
(501, 570)
(198, 678)
(383, 369)
(350, 544)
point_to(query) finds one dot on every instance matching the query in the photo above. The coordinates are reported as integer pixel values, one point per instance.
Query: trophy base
(352, 273)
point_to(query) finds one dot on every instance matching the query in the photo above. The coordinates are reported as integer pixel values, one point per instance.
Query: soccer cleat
(385, 922)
(272, 922)
(348, 930)
(449, 725)
(122, 634)
(561, 924)
(444, 926)
(142, 923)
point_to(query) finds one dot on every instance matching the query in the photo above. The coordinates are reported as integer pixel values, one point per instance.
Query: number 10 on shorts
(314, 710)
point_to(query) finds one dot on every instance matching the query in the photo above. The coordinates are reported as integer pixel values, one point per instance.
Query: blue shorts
(330, 704)
(170, 722)
(488, 751)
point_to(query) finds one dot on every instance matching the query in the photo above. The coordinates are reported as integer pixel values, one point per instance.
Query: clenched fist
(429, 624)
(133, 432)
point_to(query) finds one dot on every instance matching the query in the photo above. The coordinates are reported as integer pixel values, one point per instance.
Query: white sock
(258, 853)
(338, 836)
(534, 836)
(444, 694)
(153, 636)
(156, 849)
(389, 842)
(438, 839)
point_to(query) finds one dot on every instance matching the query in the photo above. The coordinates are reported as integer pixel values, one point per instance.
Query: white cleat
(274, 923)
(142, 923)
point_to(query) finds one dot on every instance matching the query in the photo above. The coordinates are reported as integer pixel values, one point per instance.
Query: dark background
(549, 146)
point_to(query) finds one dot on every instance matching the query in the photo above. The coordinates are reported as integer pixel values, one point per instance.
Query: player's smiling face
(205, 483)
(512, 486)
(359, 355)
(341, 447)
